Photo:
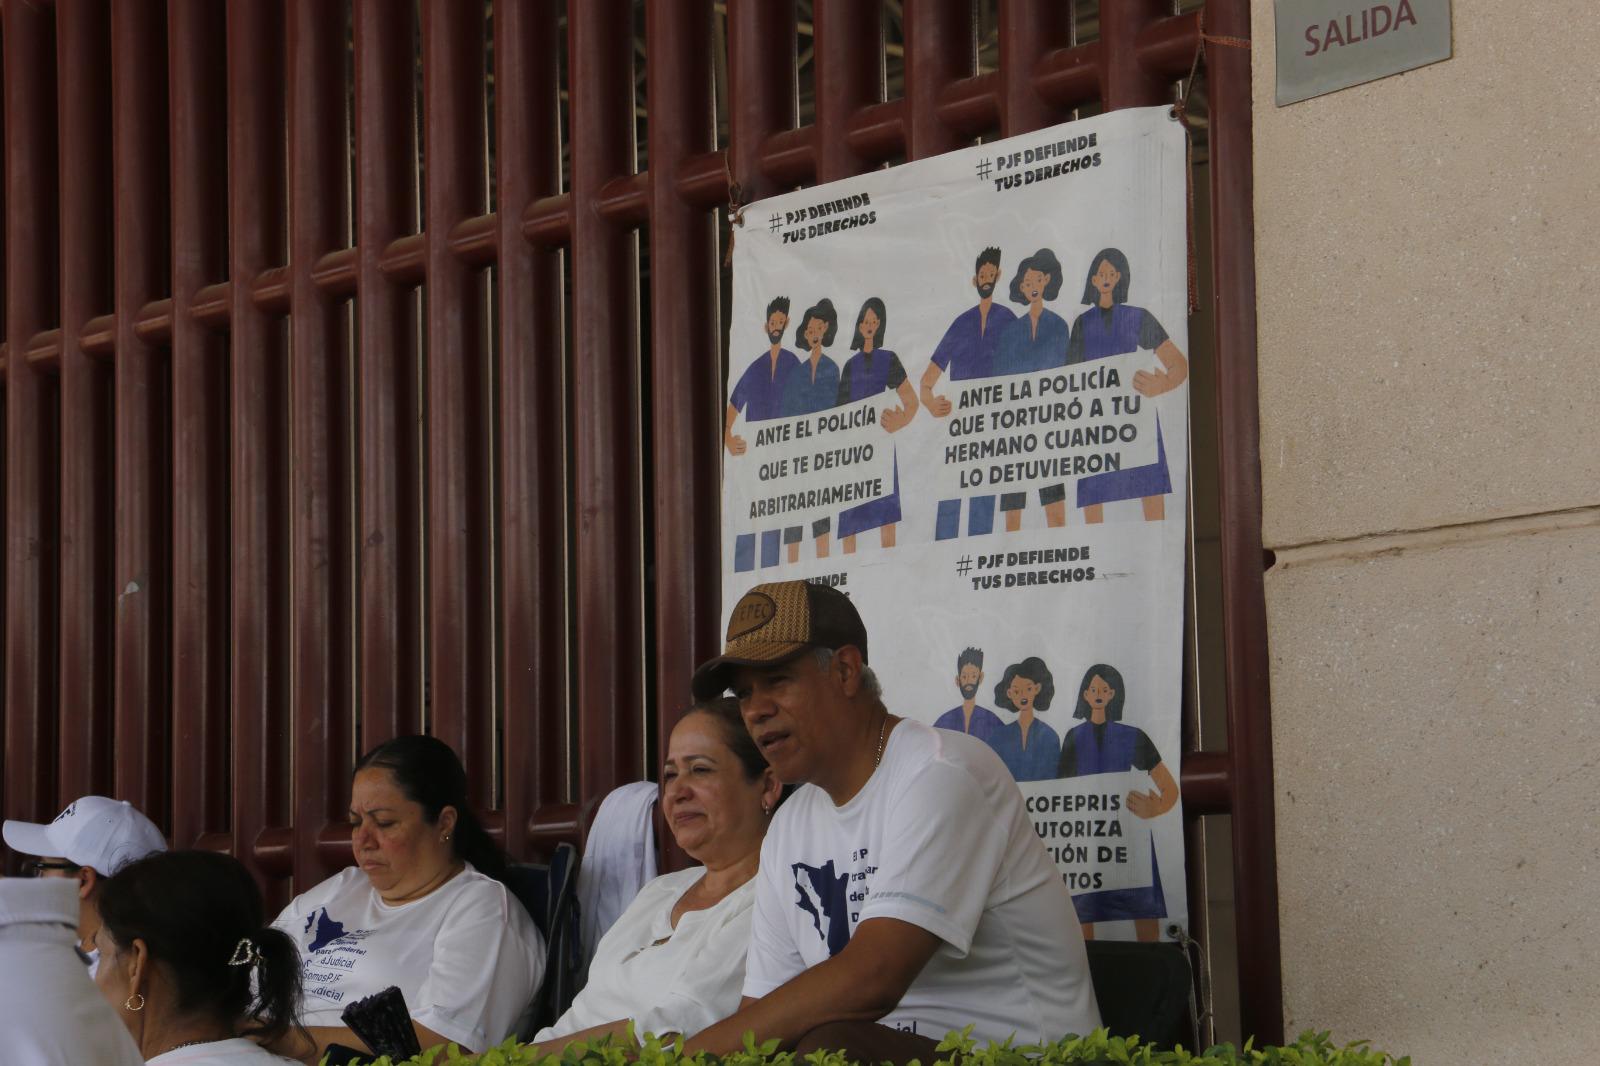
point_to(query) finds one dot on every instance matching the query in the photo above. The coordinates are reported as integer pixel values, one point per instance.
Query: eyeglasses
(39, 866)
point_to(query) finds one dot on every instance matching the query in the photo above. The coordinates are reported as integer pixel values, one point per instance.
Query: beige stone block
(1428, 283)
(1437, 751)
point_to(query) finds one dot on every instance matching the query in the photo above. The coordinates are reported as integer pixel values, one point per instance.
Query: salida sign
(1375, 21)
(1322, 46)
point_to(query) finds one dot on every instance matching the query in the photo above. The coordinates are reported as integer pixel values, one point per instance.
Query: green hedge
(1097, 1049)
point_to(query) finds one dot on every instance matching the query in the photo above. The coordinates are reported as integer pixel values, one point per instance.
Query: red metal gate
(318, 431)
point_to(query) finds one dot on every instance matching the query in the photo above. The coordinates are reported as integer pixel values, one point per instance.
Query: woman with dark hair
(812, 386)
(816, 386)
(187, 960)
(674, 961)
(1029, 748)
(1102, 744)
(422, 909)
(1110, 327)
(1036, 340)
(871, 371)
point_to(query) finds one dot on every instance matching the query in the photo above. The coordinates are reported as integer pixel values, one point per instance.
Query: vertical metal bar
(686, 379)
(1029, 29)
(139, 155)
(1244, 620)
(941, 47)
(849, 65)
(763, 97)
(460, 604)
(532, 432)
(319, 476)
(1190, 738)
(1124, 82)
(388, 408)
(763, 100)
(83, 65)
(30, 691)
(605, 384)
(256, 211)
(197, 107)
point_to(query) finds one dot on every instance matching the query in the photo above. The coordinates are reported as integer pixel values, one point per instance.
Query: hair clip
(245, 953)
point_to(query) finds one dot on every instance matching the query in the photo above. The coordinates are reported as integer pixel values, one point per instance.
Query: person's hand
(1153, 382)
(1145, 804)
(895, 418)
(735, 444)
(937, 405)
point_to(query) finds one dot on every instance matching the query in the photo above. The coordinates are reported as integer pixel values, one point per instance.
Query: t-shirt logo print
(327, 930)
(824, 895)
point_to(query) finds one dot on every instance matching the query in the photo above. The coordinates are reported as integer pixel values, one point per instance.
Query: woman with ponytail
(186, 962)
(423, 909)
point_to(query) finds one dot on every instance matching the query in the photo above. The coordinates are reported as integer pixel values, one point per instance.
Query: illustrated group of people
(1031, 749)
(987, 340)
(866, 883)
(780, 384)
(1101, 743)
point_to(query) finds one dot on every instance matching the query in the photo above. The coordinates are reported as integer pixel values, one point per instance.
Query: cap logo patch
(66, 813)
(753, 612)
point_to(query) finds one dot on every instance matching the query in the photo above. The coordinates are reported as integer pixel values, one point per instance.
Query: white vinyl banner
(957, 391)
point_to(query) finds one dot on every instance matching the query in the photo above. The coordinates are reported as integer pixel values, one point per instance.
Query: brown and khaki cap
(774, 623)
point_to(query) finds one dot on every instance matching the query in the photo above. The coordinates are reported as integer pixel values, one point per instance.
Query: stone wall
(1428, 263)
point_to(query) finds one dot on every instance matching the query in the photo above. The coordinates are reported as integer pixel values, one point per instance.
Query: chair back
(1145, 990)
(549, 892)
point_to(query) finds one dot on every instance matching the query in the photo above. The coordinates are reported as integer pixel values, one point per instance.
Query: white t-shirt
(466, 956)
(49, 1009)
(937, 837)
(680, 986)
(235, 1052)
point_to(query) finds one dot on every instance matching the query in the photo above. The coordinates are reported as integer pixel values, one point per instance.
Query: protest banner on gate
(957, 391)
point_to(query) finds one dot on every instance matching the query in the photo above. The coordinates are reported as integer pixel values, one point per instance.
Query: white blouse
(466, 957)
(236, 1052)
(667, 980)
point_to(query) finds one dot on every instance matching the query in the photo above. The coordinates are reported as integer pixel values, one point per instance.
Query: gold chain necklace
(190, 1043)
(883, 732)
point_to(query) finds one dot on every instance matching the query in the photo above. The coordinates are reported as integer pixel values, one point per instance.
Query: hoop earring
(129, 1005)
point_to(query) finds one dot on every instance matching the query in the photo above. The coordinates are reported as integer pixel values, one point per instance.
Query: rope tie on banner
(735, 216)
(1180, 112)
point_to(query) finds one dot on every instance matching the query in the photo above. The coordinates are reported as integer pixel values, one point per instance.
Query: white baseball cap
(102, 833)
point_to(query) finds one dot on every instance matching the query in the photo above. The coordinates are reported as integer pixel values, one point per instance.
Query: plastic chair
(1145, 990)
(549, 892)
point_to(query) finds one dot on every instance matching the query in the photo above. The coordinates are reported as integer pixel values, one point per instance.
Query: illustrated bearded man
(965, 352)
(759, 395)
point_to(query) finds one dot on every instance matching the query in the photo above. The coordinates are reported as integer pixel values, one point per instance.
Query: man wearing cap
(903, 892)
(93, 838)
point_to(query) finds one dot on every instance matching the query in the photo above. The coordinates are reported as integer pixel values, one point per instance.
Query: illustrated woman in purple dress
(813, 387)
(1102, 744)
(1036, 340)
(1114, 327)
(1030, 749)
(873, 370)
